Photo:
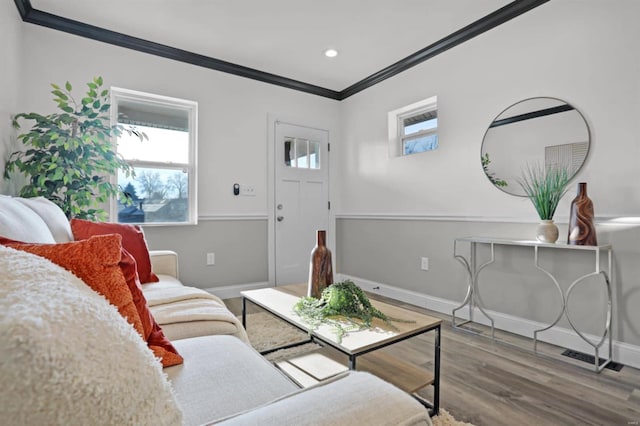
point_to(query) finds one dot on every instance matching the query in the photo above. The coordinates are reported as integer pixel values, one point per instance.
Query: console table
(473, 270)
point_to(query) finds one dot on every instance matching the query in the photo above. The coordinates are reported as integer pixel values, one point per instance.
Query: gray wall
(388, 251)
(240, 248)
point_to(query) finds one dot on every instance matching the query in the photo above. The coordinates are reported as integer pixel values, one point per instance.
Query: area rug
(266, 332)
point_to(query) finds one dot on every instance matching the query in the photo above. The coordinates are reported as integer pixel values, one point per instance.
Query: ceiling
(286, 38)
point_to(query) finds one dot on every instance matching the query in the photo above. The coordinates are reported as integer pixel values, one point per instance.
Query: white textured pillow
(19, 222)
(52, 215)
(68, 357)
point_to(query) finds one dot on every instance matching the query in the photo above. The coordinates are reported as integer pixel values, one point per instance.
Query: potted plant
(69, 156)
(545, 186)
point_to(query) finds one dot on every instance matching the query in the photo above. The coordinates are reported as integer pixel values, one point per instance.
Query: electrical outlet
(211, 259)
(247, 190)
(424, 264)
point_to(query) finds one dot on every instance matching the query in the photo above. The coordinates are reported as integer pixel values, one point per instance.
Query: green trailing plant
(545, 186)
(342, 305)
(492, 176)
(69, 156)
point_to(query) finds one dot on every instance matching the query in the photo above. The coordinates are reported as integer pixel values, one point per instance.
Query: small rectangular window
(163, 190)
(414, 128)
(419, 132)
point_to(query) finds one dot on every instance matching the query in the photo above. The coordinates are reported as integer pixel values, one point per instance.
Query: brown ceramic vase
(320, 268)
(582, 231)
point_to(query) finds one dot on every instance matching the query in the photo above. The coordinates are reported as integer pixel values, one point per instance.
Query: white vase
(547, 232)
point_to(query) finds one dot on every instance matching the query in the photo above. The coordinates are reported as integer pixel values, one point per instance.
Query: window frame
(396, 118)
(191, 107)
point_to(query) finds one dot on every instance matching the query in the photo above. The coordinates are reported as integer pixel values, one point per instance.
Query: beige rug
(446, 419)
(266, 331)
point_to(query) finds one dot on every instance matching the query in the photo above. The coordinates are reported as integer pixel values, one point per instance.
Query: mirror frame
(560, 108)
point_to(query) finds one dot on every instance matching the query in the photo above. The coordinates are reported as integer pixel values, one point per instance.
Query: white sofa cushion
(355, 399)
(52, 215)
(221, 376)
(19, 222)
(185, 312)
(68, 357)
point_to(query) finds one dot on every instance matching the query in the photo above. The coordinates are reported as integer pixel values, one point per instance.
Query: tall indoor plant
(69, 156)
(545, 186)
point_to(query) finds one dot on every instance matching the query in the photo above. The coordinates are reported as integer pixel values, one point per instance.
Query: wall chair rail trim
(232, 216)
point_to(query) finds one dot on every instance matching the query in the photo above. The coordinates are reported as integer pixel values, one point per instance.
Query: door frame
(272, 119)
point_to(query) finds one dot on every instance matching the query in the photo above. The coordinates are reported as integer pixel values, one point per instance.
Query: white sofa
(184, 311)
(69, 357)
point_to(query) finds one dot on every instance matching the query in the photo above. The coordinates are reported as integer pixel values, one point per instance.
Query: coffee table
(279, 301)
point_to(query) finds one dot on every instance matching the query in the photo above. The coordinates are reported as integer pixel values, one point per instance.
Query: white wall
(10, 78)
(232, 141)
(584, 52)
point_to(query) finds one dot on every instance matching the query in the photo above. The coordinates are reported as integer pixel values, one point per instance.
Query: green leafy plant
(340, 305)
(492, 176)
(69, 156)
(545, 186)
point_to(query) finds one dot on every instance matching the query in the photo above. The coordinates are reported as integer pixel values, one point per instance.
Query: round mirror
(545, 131)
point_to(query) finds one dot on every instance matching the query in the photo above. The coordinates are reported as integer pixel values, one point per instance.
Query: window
(301, 153)
(163, 190)
(414, 128)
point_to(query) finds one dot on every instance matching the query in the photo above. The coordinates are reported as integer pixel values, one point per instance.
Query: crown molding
(60, 23)
(37, 17)
(494, 19)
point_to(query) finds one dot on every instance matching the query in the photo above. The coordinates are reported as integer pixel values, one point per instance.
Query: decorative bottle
(582, 231)
(320, 267)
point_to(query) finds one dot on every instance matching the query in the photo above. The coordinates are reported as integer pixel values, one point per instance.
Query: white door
(301, 198)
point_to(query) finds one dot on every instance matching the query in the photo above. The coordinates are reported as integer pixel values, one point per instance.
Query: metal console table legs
(473, 300)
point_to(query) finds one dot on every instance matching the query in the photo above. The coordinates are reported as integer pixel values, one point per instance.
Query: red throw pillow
(132, 241)
(96, 262)
(153, 334)
(110, 270)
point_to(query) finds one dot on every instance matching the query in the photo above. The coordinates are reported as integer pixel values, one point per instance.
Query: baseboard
(623, 353)
(230, 291)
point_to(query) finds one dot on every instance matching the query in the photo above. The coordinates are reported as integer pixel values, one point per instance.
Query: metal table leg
(472, 299)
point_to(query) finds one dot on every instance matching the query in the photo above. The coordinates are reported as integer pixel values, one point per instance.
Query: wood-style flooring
(488, 382)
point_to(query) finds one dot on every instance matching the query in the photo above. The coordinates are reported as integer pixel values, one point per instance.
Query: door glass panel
(314, 155)
(301, 153)
(288, 152)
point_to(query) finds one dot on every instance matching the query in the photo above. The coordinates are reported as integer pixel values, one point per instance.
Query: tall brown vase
(320, 268)
(582, 231)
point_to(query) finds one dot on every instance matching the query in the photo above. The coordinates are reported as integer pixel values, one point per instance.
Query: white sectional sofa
(69, 357)
(184, 311)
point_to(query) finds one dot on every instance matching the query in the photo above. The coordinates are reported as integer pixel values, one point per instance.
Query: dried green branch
(342, 305)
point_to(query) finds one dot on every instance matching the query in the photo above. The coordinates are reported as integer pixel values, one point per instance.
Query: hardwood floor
(485, 382)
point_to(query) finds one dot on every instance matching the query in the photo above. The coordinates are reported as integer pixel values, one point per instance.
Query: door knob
(280, 218)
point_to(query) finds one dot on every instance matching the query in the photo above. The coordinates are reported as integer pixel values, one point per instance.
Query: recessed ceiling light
(331, 53)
